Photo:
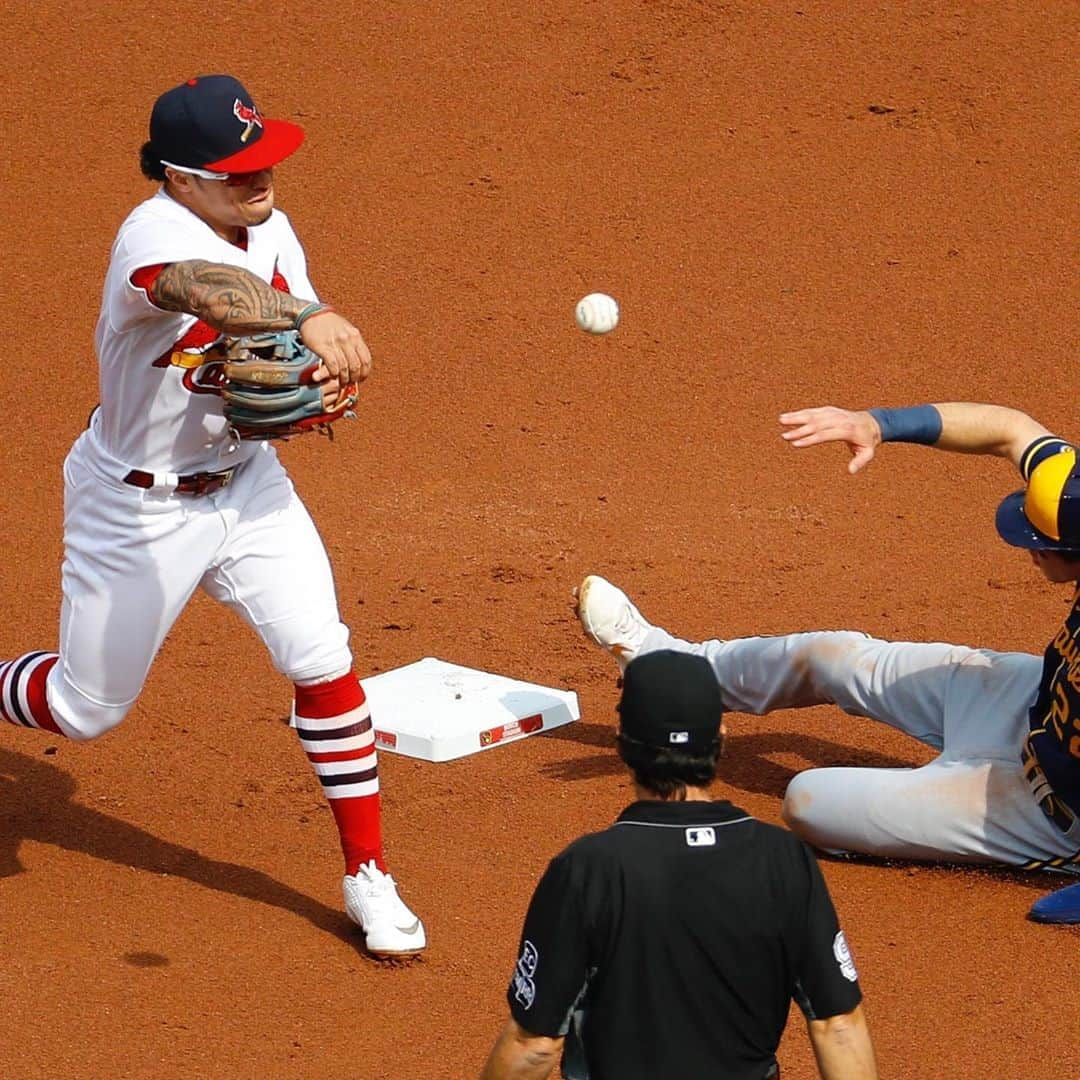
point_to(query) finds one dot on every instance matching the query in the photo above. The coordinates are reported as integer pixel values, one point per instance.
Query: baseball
(597, 313)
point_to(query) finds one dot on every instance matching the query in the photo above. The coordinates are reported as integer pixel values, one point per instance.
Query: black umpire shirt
(671, 945)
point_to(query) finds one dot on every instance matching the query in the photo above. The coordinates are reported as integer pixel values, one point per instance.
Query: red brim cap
(278, 140)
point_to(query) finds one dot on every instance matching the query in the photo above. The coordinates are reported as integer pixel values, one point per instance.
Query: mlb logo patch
(701, 836)
(679, 737)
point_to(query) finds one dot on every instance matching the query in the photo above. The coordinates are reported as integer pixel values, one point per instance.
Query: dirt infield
(796, 203)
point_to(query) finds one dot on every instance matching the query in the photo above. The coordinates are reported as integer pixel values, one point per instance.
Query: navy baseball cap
(671, 700)
(211, 123)
(1046, 514)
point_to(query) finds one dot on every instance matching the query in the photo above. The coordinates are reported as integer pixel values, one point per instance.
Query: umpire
(671, 944)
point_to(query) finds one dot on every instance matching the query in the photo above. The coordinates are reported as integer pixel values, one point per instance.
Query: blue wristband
(917, 424)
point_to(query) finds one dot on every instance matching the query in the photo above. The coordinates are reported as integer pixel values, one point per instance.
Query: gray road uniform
(983, 799)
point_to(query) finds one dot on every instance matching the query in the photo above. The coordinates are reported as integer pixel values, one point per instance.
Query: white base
(439, 711)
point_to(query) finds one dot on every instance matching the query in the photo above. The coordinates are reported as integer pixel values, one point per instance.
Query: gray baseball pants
(971, 804)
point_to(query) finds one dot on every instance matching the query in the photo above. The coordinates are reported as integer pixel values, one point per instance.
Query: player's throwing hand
(339, 345)
(811, 427)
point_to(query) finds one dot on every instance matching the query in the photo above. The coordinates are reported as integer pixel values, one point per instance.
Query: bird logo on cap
(249, 116)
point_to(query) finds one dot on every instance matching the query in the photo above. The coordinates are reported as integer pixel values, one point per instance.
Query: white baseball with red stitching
(597, 313)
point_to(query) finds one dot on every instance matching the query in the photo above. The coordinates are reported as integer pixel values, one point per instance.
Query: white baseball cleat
(372, 902)
(609, 618)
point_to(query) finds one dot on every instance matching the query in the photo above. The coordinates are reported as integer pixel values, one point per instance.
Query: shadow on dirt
(37, 803)
(748, 764)
(1034, 881)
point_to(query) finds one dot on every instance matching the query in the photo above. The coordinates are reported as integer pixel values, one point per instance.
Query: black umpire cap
(671, 700)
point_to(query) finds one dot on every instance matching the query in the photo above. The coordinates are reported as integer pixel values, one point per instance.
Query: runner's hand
(810, 427)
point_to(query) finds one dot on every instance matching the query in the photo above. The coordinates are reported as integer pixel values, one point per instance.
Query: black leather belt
(200, 483)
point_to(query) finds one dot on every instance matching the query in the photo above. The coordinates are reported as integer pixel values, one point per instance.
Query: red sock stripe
(14, 680)
(36, 697)
(341, 755)
(23, 700)
(329, 699)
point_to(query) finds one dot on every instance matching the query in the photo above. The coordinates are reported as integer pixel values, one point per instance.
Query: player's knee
(318, 664)
(811, 813)
(78, 717)
(797, 810)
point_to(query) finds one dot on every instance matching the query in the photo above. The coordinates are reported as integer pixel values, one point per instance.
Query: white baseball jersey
(161, 409)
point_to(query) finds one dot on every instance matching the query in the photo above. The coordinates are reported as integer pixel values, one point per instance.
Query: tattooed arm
(237, 302)
(227, 298)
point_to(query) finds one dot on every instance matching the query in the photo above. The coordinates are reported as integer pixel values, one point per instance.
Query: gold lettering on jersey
(187, 359)
(1061, 717)
(1059, 710)
(1066, 646)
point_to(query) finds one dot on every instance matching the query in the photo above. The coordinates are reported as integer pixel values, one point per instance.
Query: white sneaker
(372, 902)
(609, 618)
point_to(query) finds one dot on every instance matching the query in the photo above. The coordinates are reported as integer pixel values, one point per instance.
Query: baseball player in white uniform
(161, 497)
(1005, 786)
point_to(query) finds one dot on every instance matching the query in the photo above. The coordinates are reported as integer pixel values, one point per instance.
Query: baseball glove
(268, 392)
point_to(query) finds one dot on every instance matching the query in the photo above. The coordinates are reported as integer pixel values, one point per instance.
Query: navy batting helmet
(1046, 514)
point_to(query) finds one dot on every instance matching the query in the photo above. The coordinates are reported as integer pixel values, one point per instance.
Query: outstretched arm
(987, 429)
(236, 302)
(842, 1047)
(963, 427)
(228, 298)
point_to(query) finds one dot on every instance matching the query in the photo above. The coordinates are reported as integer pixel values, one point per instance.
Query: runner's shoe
(1062, 906)
(608, 617)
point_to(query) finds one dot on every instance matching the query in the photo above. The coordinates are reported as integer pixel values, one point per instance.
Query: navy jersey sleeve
(1039, 451)
(827, 983)
(551, 972)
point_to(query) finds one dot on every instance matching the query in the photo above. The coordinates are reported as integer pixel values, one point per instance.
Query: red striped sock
(22, 691)
(334, 725)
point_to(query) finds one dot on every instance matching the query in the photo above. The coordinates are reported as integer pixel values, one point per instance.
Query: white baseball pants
(133, 558)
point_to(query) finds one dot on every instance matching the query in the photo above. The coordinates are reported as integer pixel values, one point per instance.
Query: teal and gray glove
(268, 392)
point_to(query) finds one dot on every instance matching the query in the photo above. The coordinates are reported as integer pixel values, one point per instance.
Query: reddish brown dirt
(170, 894)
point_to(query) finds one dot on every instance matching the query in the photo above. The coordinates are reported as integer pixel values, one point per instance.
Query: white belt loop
(164, 483)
